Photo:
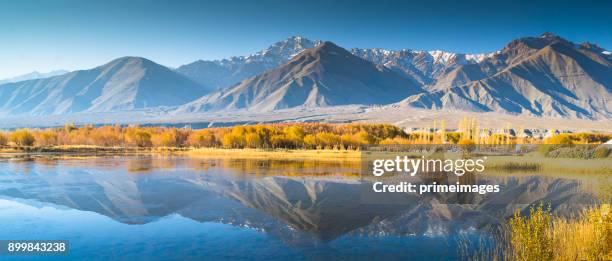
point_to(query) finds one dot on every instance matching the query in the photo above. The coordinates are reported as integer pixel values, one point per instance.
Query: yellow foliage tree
(164, 139)
(22, 137)
(137, 137)
(203, 138)
(45, 138)
(253, 140)
(3, 139)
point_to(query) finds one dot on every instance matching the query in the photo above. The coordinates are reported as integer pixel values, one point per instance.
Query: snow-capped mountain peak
(422, 66)
(275, 54)
(442, 56)
(435, 56)
(227, 72)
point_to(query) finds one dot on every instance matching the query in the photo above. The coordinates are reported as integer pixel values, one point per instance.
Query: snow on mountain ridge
(437, 56)
(275, 54)
(441, 56)
(423, 67)
(224, 73)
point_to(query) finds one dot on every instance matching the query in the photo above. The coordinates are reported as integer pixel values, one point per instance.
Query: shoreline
(325, 154)
(516, 163)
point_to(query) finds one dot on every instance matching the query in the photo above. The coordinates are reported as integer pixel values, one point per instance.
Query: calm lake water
(177, 208)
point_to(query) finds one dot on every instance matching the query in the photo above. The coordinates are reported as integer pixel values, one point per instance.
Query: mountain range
(33, 75)
(123, 84)
(219, 74)
(542, 76)
(325, 75)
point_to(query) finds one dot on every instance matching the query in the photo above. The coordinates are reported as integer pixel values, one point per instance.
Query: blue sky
(48, 35)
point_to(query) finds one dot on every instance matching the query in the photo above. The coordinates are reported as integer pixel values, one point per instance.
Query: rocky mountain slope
(326, 75)
(123, 84)
(543, 76)
(227, 72)
(537, 76)
(425, 67)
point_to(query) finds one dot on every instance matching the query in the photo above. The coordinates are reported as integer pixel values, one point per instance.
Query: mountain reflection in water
(302, 209)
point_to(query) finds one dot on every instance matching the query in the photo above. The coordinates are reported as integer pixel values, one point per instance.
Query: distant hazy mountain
(33, 75)
(544, 75)
(228, 72)
(122, 84)
(326, 75)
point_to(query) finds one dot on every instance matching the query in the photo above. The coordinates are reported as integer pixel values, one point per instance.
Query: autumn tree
(285, 135)
(203, 138)
(294, 135)
(165, 138)
(328, 140)
(138, 137)
(281, 141)
(3, 139)
(235, 138)
(310, 141)
(22, 137)
(107, 136)
(253, 140)
(46, 137)
(453, 137)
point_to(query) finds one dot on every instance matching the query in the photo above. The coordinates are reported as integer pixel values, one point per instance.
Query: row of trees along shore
(271, 136)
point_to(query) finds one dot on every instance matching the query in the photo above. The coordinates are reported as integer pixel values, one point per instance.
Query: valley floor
(402, 117)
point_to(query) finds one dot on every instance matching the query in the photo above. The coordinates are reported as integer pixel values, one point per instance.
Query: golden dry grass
(551, 165)
(587, 238)
(542, 236)
(325, 155)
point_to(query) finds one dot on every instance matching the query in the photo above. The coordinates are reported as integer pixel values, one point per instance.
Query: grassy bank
(536, 163)
(520, 163)
(321, 154)
(540, 235)
(334, 155)
(84, 149)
